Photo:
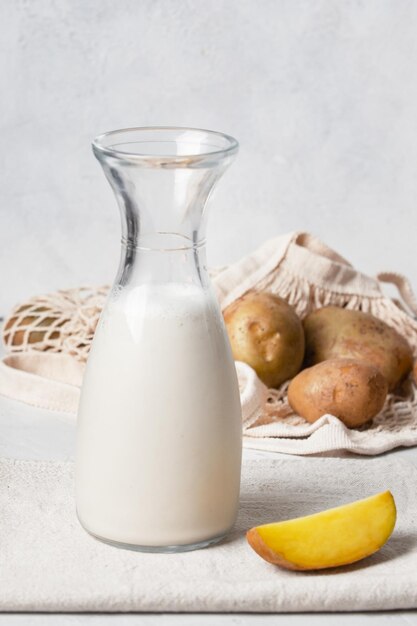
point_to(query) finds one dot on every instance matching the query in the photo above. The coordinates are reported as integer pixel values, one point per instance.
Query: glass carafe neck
(162, 179)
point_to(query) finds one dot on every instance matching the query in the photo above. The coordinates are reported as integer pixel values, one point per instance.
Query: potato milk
(159, 435)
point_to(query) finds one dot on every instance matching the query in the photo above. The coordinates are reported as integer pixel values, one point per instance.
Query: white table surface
(30, 433)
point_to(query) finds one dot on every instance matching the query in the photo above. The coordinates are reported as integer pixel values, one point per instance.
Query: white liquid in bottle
(159, 434)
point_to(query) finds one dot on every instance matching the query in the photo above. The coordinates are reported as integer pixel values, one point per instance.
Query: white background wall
(322, 95)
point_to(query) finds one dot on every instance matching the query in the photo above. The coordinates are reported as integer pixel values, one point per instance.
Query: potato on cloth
(331, 538)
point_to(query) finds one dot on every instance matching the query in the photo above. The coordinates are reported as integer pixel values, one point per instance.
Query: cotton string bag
(48, 339)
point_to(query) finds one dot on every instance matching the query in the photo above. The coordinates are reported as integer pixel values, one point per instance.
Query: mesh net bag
(297, 267)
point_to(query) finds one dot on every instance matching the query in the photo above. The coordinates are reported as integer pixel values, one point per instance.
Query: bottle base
(188, 547)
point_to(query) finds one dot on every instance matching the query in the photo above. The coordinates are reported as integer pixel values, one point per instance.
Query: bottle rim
(192, 145)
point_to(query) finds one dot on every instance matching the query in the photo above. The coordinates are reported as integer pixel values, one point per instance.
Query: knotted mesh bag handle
(404, 289)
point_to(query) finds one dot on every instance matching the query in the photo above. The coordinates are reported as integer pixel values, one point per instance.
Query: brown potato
(415, 372)
(332, 332)
(353, 391)
(266, 333)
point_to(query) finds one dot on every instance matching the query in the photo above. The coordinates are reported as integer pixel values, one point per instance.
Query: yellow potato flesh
(328, 539)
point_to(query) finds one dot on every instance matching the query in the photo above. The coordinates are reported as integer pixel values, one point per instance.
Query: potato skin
(333, 332)
(353, 391)
(266, 333)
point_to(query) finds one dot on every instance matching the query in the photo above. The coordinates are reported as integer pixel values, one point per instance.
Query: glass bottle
(159, 425)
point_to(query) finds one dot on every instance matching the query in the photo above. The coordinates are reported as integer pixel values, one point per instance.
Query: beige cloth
(48, 563)
(48, 381)
(299, 268)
